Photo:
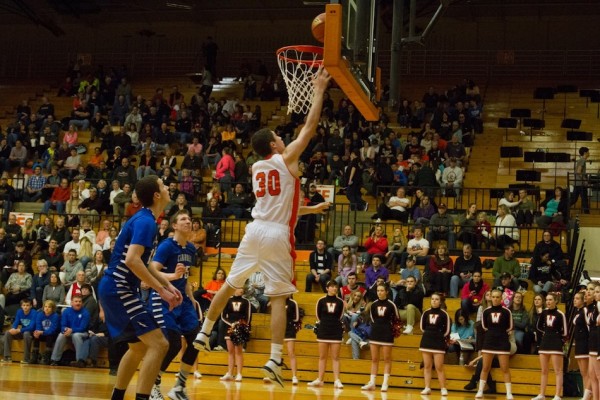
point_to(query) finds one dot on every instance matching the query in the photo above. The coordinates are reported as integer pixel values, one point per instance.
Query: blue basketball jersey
(169, 253)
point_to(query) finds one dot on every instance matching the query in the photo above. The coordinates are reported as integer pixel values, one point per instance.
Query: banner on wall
(22, 217)
(327, 191)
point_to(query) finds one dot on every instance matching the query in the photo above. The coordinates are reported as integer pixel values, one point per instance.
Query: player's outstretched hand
(322, 208)
(171, 295)
(321, 79)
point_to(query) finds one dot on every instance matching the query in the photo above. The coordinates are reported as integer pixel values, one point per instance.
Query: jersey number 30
(268, 182)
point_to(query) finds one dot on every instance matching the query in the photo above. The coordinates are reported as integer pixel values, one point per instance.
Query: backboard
(350, 52)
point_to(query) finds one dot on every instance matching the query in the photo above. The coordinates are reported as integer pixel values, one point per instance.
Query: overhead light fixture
(179, 5)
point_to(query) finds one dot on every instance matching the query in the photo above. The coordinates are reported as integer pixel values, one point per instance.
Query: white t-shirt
(402, 200)
(418, 244)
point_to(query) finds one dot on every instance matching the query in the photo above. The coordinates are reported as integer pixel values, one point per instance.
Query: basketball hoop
(298, 65)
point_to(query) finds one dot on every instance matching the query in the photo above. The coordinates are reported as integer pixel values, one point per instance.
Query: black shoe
(54, 363)
(78, 364)
(374, 216)
(112, 372)
(471, 386)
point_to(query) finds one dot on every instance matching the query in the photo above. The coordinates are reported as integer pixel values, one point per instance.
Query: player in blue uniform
(173, 259)
(126, 317)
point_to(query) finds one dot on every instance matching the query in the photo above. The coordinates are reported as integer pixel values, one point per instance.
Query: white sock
(276, 352)
(508, 388)
(586, 394)
(386, 378)
(373, 379)
(481, 385)
(207, 326)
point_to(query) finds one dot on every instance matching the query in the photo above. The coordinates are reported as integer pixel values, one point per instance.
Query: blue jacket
(50, 325)
(78, 321)
(27, 322)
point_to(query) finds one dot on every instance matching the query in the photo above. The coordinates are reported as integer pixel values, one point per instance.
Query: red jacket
(227, 163)
(61, 194)
(377, 246)
(466, 293)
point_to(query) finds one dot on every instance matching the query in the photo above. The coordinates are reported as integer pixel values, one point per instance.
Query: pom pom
(396, 326)
(239, 332)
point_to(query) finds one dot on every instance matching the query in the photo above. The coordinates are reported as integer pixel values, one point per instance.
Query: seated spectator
(507, 263)
(441, 269)
(464, 268)
(417, 246)
(75, 322)
(346, 290)
(396, 207)
(468, 223)
(483, 230)
(133, 207)
(75, 288)
(553, 209)
(18, 285)
(47, 328)
(238, 203)
(473, 293)
(347, 238)
(59, 198)
(520, 317)
(354, 307)
(53, 257)
(505, 228)
(70, 167)
(81, 116)
(22, 329)
(121, 200)
(456, 150)
(396, 247)
(548, 244)
(55, 290)
(452, 179)
(525, 209)
(181, 204)
(7, 197)
(409, 301)
(20, 254)
(204, 296)
(147, 164)
(321, 264)
(70, 268)
(465, 328)
(410, 270)
(377, 243)
(94, 269)
(198, 239)
(38, 283)
(346, 265)
(35, 185)
(544, 274)
(255, 288)
(441, 227)
(225, 170)
(92, 206)
(423, 212)
(18, 156)
(508, 201)
(376, 270)
(125, 173)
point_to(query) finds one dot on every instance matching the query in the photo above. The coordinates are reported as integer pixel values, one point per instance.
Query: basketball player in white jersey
(268, 244)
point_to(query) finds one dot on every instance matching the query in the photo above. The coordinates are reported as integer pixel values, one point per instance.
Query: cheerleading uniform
(581, 334)
(293, 317)
(383, 313)
(591, 315)
(552, 325)
(237, 308)
(330, 311)
(435, 324)
(497, 323)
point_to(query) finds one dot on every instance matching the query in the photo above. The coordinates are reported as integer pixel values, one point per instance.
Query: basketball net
(298, 65)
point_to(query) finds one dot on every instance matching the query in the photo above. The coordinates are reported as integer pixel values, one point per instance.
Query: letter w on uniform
(496, 317)
(433, 318)
(550, 320)
(331, 307)
(236, 305)
(381, 311)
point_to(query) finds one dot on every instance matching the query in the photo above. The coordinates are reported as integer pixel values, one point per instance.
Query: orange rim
(301, 49)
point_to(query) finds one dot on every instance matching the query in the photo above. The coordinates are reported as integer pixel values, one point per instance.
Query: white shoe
(294, 381)
(272, 370)
(197, 375)
(349, 341)
(426, 391)
(201, 342)
(408, 330)
(178, 393)
(218, 348)
(362, 343)
(369, 386)
(556, 398)
(539, 397)
(479, 395)
(155, 394)
(509, 396)
(238, 378)
(384, 387)
(315, 383)
(227, 377)
(267, 380)
(444, 392)
(338, 384)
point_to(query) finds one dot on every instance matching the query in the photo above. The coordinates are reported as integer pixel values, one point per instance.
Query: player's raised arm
(292, 152)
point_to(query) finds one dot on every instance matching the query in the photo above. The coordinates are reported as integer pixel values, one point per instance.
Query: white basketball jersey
(276, 190)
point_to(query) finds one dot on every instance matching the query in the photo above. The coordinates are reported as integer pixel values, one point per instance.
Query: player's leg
(127, 368)
(186, 366)
(157, 346)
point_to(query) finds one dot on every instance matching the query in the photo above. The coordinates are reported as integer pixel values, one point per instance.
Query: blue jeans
(80, 341)
(456, 283)
(546, 287)
(82, 124)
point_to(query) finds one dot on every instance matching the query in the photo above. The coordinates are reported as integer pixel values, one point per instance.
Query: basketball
(318, 27)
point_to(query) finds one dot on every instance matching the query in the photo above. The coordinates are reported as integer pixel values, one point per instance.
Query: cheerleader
(237, 308)
(435, 325)
(383, 313)
(497, 324)
(293, 319)
(330, 311)
(581, 335)
(591, 315)
(552, 326)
